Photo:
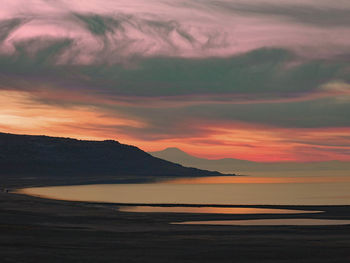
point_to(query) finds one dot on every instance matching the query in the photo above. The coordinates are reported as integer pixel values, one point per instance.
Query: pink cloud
(212, 31)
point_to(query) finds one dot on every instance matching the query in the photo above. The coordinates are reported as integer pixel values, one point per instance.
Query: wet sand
(40, 230)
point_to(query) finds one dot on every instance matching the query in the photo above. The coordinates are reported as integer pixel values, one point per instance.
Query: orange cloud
(21, 113)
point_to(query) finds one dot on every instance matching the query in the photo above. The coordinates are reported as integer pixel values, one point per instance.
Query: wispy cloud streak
(178, 28)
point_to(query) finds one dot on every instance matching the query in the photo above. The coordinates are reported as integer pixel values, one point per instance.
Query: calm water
(239, 190)
(270, 222)
(213, 210)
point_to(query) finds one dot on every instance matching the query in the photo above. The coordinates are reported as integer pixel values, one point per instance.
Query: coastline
(47, 230)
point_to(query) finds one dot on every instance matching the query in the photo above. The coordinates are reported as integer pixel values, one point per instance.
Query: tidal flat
(42, 230)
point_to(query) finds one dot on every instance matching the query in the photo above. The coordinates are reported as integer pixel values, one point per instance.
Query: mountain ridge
(40, 156)
(229, 164)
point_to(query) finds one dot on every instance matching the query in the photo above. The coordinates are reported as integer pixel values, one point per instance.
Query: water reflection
(234, 190)
(270, 222)
(260, 180)
(211, 210)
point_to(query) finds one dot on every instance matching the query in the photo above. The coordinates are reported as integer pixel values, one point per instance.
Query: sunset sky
(261, 80)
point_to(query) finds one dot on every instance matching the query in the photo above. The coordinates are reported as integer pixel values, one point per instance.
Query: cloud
(259, 87)
(307, 12)
(263, 78)
(180, 122)
(8, 25)
(116, 30)
(98, 25)
(258, 76)
(199, 130)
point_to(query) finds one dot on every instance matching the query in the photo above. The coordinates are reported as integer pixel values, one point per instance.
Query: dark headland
(44, 160)
(36, 230)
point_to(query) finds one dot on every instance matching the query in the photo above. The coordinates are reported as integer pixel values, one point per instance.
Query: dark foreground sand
(40, 230)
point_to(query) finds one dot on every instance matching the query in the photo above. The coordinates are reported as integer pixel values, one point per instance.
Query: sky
(260, 80)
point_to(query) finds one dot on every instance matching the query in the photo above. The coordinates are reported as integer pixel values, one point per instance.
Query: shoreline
(48, 230)
(279, 206)
(93, 195)
(318, 211)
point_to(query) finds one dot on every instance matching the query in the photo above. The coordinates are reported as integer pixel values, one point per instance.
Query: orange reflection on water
(211, 210)
(258, 180)
(210, 194)
(270, 222)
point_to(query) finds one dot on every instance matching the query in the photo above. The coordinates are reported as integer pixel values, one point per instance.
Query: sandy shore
(41, 230)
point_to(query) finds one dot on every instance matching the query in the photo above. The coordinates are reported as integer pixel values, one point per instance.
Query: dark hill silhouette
(43, 156)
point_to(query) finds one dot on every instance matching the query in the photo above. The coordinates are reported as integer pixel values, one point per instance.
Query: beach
(42, 230)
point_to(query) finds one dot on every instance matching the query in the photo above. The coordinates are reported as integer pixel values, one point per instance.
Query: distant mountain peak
(173, 151)
(176, 155)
